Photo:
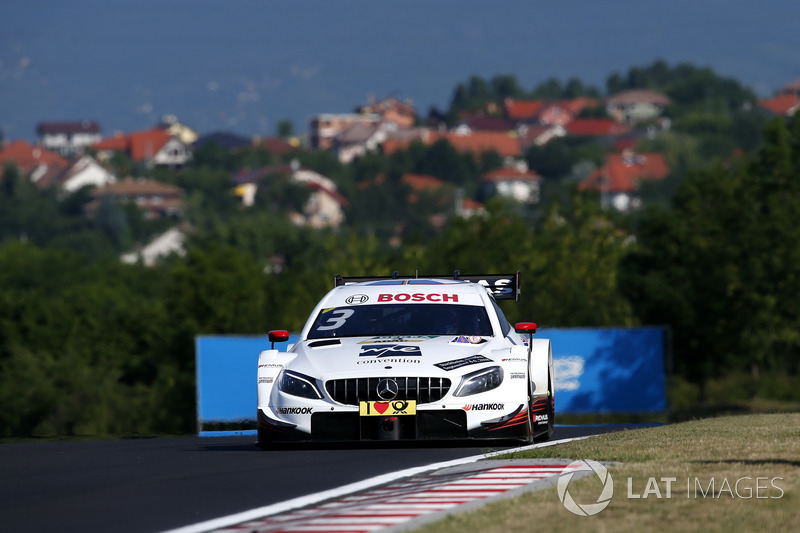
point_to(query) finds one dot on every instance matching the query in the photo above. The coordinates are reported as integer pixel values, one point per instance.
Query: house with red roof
(156, 147)
(786, 102)
(522, 110)
(517, 183)
(40, 165)
(546, 112)
(467, 207)
(399, 112)
(485, 123)
(505, 144)
(596, 127)
(619, 178)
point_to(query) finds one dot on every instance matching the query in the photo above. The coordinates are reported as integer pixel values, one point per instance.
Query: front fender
(270, 364)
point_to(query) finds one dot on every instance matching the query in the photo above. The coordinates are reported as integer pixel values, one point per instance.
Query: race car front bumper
(440, 424)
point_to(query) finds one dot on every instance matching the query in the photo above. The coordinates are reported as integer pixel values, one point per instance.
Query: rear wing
(502, 286)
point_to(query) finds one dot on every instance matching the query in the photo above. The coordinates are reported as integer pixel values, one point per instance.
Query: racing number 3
(336, 320)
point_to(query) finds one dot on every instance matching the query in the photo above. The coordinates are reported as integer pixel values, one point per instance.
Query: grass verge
(706, 458)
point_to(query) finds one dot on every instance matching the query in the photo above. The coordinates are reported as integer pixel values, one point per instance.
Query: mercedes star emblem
(387, 389)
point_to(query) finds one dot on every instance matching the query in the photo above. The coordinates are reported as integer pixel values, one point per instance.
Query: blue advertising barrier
(614, 370)
(609, 370)
(227, 367)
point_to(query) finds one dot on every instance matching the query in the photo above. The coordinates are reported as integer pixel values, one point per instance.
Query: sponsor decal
(498, 286)
(541, 418)
(514, 360)
(464, 339)
(357, 299)
(393, 408)
(518, 417)
(517, 375)
(389, 350)
(294, 410)
(270, 365)
(382, 361)
(269, 379)
(484, 407)
(458, 363)
(418, 338)
(417, 297)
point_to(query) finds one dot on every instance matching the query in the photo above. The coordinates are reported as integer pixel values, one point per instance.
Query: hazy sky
(244, 65)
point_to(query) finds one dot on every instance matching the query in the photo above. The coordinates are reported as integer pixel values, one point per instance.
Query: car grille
(354, 390)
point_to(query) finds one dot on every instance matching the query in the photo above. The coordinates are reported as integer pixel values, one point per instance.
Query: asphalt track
(154, 485)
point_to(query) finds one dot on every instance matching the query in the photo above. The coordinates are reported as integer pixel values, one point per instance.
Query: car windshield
(401, 319)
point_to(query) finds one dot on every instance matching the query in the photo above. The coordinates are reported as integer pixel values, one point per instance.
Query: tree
(506, 86)
(81, 345)
(723, 265)
(285, 129)
(568, 266)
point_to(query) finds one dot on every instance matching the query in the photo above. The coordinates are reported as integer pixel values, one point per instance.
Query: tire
(531, 424)
(551, 412)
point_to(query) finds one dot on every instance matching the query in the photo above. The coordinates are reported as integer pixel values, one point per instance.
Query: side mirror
(278, 335)
(526, 328)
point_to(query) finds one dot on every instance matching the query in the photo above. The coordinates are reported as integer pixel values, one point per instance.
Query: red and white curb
(390, 500)
(403, 501)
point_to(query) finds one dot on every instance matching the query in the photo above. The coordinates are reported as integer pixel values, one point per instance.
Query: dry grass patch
(706, 458)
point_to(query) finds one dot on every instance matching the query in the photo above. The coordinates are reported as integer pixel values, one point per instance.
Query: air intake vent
(352, 391)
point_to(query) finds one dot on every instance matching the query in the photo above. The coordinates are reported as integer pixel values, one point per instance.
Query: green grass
(695, 452)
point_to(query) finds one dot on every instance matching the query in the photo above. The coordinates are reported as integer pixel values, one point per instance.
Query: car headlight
(480, 381)
(298, 384)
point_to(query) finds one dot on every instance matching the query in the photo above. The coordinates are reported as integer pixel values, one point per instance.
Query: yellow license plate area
(393, 408)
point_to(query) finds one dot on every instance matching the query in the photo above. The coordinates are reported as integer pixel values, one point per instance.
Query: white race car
(409, 359)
